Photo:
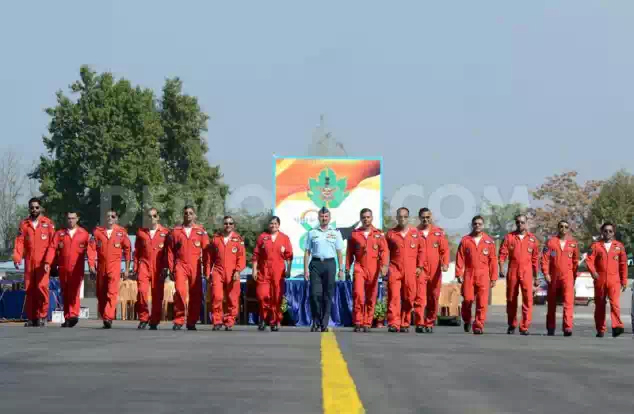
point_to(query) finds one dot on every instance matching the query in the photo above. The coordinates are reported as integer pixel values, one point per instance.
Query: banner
(303, 185)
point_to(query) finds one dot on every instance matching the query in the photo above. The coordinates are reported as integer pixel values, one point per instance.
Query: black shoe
(357, 328)
(275, 328)
(42, 322)
(567, 333)
(177, 327)
(216, 328)
(525, 333)
(617, 331)
(314, 328)
(72, 322)
(191, 328)
(366, 329)
(324, 329)
(228, 328)
(153, 327)
(477, 331)
(420, 329)
(261, 326)
(142, 325)
(551, 332)
(107, 324)
(429, 329)
(510, 330)
(600, 334)
(467, 327)
(404, 330)
(392, 329)
(65, 324)
(28, 324)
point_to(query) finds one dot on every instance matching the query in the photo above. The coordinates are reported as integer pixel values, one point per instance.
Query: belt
(323, 259)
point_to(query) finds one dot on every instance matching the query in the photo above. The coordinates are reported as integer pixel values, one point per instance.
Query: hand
(418, 270)
(342, 275)
(47, 267)
(93, 270)
(287, 273)
(535, 282)
(492, 283)
(623, 288)
(255, 276)
(459, 279)
(384, 270)
(444, 268)
(595, 275)
(17, 265)
(236, 275)
(501, 274)
(126, 274)
(548, 279)
(306, 273)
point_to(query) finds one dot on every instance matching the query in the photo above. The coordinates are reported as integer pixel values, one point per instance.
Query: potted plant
(287, 320)
(380, 312)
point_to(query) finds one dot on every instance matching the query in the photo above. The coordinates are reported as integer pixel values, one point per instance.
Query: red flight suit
(150, 260)
(436, 255)
(370, 254)
(31, 245)
(187, 262)
(70, 254)
(271, 256)
(226, 259)
(108, 253)
(612, 269)
(561, 265)
(478, 266)
(523, 255)
(406, 254)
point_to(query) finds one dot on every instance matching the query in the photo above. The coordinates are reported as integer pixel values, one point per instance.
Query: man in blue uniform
(323, 244)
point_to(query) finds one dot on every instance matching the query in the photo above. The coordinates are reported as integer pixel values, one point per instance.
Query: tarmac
(87, 369)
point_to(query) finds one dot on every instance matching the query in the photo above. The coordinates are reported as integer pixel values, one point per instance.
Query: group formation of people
(411, 258)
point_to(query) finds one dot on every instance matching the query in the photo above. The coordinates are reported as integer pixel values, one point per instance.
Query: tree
(565, 199)
(388, 219)
(250, 226)
(499, 220)
(615, 203)
(12, 184)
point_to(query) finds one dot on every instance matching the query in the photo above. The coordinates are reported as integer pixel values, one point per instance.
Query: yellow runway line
(339, 392)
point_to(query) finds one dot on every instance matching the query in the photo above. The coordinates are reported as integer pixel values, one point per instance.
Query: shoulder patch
(488, 241)
(200, 233)
(378, 235)
(573, 245)
(437, 233)
(531, 239)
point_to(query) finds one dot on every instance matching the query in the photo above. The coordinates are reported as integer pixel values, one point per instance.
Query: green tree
(499, 220)
(388, 219)
(249, 226)
(615, 203)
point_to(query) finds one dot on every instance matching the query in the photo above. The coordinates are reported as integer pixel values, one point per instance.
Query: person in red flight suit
(436, 261)
(34, 237)
(107, 246)
(607, 263)
(406, 260)
(368, 250)
(150, 265)
(522, 249)
(477, 271)
(68, 249)
(228, 258)
(272, 260)
(560, 261)
(186, 260)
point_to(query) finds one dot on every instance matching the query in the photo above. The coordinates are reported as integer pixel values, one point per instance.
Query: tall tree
(499, 220)
(12, 184)
(615, 203)
(565, 199)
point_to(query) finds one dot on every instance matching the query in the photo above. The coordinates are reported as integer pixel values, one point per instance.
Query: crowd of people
(411, 259)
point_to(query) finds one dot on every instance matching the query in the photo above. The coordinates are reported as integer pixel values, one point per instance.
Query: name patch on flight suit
(82, 245)
(531, 239)
(163, 234)
(488, 241)
(117, 245)
(573, 245)
(512, 247)
(44, 225)
(436, 234)
(120, 234)
(414, 235)
(235, 239)
(283, 249)
(617, 248)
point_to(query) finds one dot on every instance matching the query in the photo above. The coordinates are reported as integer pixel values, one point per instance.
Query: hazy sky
(480, 93)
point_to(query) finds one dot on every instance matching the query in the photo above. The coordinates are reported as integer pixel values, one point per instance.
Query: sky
(470, 94)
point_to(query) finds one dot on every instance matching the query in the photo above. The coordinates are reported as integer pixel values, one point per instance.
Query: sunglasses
(112, 216)
(608, 231)
(152, 215)
(520, 222)
(228, 224)
(34, 208)
(563, 226)
(425, 218)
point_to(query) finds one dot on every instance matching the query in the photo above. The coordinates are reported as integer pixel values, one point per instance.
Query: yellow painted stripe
(339, 392)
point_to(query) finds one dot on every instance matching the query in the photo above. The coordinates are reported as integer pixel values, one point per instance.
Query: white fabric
(607, 246)
(188, 231)
(227, 238)
(522, 236)
(109, 233)
(152, 233)
(273, 237)
(35, 223)
(72, 232)
(366, 234)
(563, 244)
(477, 239)
(426, 233)
(404, 233)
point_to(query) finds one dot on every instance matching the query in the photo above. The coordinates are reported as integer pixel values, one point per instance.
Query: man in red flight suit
(368, 250)
(68, 249)
(607, 263)
(186, 260)
(228, 258)
(522, 250)
(406, 260)
(107, 246)
(560, 261)
(150, 264)
(477, 271)
(272, 260)
(436, 261)
(34, 237)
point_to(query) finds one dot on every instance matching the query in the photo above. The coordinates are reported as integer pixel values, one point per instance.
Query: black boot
(467, 327)
(404, 330)
(420, 329)
(357, 328)
(525, 333)
(177, 327)
(191, 328)
(72, 322)
(429, 329)
(314, 328)
(510, 330)
(42, 322)
(551, 332)
(275, 328)
(228, 328)
(29, 324)
(65, 324)
(216, 328)
(600, 334)
(617, 331)
(153, 327)
(366, 329)
(477, 331)
(567, 333)
(261, 326)
(142, 325)
(107, 324)
(392, 329)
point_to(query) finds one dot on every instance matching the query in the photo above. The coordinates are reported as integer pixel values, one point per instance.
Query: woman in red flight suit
(272, 258)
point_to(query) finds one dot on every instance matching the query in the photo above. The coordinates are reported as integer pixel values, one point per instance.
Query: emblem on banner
(327, 190)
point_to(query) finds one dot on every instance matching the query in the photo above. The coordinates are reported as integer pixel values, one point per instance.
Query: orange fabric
(270, 257)
(611, 267)
(477, 265)
(406, 254)
(187, 261)
(523, 255)
(150, 259)
(225, 260)
(70, 254)
(368, 256)
(106, 254)
(561, 266)
(436, 255)
(31, 244)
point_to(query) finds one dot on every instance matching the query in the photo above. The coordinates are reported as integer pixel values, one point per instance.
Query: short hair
(324, 210)
(227, 217)
(478, 217)
(365, 210)
(112, 211)
(608, 223)
(562, 221)
(276, 218)
(402, 208)
(189, 207)
(72, 212)
(423, 210)
(34, 200)
(520, 215)
(153, 209)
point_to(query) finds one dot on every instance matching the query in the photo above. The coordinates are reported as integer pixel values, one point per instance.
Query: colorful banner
(302, 185)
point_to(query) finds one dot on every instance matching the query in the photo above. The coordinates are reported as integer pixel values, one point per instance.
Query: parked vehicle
(584, 288)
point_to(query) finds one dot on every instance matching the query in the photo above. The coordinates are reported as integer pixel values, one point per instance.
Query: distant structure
(324, 144)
